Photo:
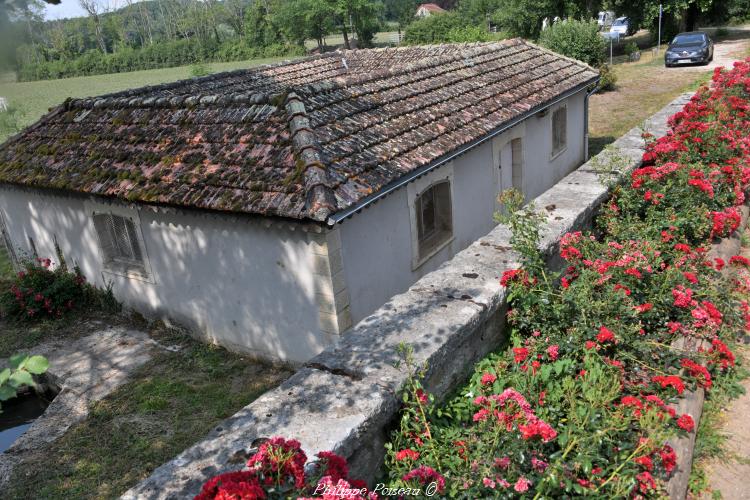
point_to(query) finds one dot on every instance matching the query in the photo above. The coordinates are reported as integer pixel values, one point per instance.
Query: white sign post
(658, 43)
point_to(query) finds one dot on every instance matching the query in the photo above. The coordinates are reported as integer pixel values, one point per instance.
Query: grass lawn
(35, 98)
(170, 404)
(22, 337)
(643, 88)
(381, 38)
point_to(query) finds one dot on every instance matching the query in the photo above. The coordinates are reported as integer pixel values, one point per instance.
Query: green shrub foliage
(577, 39)
(608, 78)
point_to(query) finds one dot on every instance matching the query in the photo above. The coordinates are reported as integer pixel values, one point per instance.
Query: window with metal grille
(434, 218)
(119, 241)
(559, 129)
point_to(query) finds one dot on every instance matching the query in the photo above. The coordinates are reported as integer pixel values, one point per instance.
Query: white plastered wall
(250, 286)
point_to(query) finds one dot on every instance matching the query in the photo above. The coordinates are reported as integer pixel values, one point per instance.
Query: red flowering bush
(40, 292)
(277, 470)
(43, 291)
(583, 401)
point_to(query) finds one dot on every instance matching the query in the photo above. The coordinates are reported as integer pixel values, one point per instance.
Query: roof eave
(348, 212)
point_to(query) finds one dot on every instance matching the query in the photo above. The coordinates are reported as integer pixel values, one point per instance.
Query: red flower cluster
(242, 485)
(605, 335)
(553, 352)
(511, 408)
(697, 371)
(670, 381)
(40, 292)
(520, 354)
(649, 402)
(488, 378)
(664, 457)
(721, 354)
(279, 465)
(683, 297)
(726, 222)
(535, 427)
(519, 276)
(406, 454)
(333, 466)
(646, 482)
(686, 423)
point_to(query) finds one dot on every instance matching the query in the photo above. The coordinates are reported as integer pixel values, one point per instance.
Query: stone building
(270, 209)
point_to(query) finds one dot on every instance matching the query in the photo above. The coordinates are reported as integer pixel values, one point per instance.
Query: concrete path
(86, 370)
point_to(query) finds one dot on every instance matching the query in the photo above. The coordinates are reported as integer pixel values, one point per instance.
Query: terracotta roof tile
(301, 139)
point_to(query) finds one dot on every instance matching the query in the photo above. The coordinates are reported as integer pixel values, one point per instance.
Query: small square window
(559, 129)
(434, 218)
(120, 243)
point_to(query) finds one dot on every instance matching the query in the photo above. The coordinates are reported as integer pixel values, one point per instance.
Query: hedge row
(162, 55)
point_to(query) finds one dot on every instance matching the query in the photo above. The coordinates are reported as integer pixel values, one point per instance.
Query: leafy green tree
(364, 16)
(289, 18)
(479, 12)
(680, 15)
(260, 30)
(234, 15)
(524, 17)
(467, 34)
(401, 11)
(318, 19)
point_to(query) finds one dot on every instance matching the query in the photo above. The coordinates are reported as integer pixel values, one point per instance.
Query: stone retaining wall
(346, 398)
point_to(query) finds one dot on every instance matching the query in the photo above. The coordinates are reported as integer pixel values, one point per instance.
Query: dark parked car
(688, 48)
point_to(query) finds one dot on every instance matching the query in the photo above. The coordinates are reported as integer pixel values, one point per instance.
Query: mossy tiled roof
(302, 139)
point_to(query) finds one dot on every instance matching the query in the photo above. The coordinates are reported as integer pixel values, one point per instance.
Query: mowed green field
(35, 98)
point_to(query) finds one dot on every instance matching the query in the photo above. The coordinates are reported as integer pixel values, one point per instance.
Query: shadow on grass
(597, 144)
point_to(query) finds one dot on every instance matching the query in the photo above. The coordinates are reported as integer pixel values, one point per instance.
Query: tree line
(162, 33)
(524, 18)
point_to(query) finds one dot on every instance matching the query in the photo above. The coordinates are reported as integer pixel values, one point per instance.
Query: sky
(66, 8)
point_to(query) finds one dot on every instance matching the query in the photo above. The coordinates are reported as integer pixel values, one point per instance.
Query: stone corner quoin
(344, 398)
